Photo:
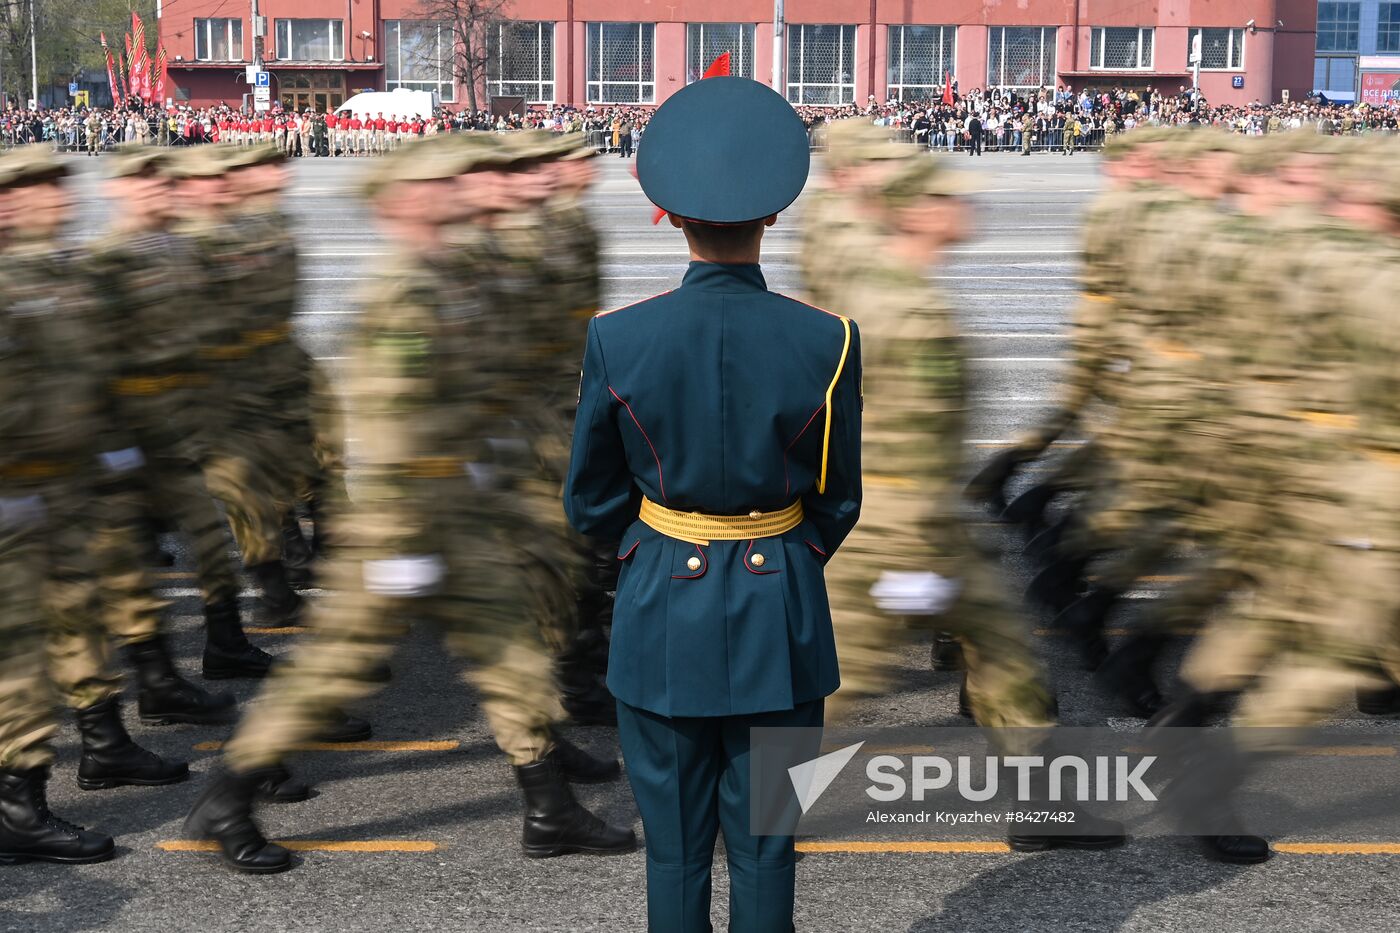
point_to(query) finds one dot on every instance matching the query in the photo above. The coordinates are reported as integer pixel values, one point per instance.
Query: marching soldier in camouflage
(64, 563)
(241, 465)
(438, 528)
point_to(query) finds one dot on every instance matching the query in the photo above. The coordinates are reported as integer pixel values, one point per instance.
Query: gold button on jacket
(693, 563)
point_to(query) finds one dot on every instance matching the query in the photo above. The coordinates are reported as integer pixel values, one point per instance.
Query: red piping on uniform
(704, 565)
(635, 303)
(750, 567)
(809, 544)
(814, 307)
(660, 480)
(787, 480)
(629, 551)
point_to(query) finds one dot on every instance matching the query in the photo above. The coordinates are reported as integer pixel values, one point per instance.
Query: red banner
(133, 83)
(111, 73)
(141, 64)
(162, 73)
(1380, 88)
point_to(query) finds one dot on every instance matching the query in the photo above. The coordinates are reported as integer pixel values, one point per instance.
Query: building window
(310, 40)
(1335, 76)
(705, 42)
(1221, 49)
(1388, 27)
(1121, 49)
(622, 63)
(521, 62)
(419, 55)
(1338, 27)
(218, 40)
(1021, 56)
(921, 58)
(821, 64)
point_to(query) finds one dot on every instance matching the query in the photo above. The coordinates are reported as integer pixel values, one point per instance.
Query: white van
(400, 102)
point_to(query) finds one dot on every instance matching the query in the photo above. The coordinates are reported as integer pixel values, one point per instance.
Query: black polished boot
(30, 832)
(946, 653)
(1383, 702)
(224, 813)
(111, 759)
(1028, 509)
(557, 824)
(1088, 831)
(227, 651)
(1059, 585)
(279, 605)
(276, 785)
(165, 697)
(988, 487)
(344, 728)
(579, 767)
(1084, 622)
(297, 557)
(1126, 675)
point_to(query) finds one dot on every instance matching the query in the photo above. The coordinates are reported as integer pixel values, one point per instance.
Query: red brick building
(578, 52)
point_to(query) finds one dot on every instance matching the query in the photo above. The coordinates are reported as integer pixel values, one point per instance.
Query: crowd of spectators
(1055, 119)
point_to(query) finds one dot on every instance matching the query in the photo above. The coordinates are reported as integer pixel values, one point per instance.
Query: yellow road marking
(283, 630)
(1338, 848)
(1349, 751)
(310, 845)
(969, 847)
(445, 746)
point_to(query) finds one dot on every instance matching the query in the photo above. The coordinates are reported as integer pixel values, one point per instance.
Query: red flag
(133, 86)
(141, 64)
(948, 88)
(111, 73)
(719, 68)
(162, 72)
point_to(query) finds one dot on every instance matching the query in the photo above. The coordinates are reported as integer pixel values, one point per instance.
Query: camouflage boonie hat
(851, 142)
(136, 159)
(207, 161)
(579, 148)
(25, 165)
(431, 160)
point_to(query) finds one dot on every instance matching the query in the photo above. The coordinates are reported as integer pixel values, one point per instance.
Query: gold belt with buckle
(699, 528)
(38, 469)
(266, 338)
(150, 385)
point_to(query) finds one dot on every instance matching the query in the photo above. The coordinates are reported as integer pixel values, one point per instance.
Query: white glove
(122, 461)
(915, 593)
(404, 576)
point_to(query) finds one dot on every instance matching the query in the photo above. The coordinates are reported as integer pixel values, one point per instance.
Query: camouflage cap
(137, 159)
(254, 155)
(579, 148)
(532, 145)
(922, 177)
(26, 165)
(851, 142)
(431, 160)
(1261, 155)
(207, 161)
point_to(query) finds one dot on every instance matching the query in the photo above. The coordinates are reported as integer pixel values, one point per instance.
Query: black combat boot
(946, 653)
(224, 813)
(165, 697)
(1028, 509)
(557, 824)
(276, 785)
(1191, 710)
(297, 556)
(579, 767)
(1382, 702)
(1060, 584)
(1086, 831)
(227, 651)
(111, 759)
(989, 485)
(30, 832)
(344, 728)
(279, 605)
(1084, 622)
(1126, 674)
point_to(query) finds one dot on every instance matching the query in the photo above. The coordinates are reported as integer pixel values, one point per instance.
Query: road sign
(262, 105)
(72, 88)
(262, 92)
(81, 99)
(1237, 81)
(1195, 58)
(263, 80)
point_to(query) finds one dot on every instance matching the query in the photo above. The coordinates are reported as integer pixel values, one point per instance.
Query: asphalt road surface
(419, 830)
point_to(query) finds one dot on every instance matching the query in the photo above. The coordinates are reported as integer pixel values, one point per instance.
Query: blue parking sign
(263, 81)
(72, 88)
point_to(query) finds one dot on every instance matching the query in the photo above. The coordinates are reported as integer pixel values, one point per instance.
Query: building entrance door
(321, 91)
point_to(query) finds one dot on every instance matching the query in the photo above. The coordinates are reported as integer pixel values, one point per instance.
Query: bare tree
(468, 55)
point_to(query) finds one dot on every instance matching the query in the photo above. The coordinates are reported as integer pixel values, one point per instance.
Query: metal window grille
(821, 64)
(1221, 49)
(522, 61)
(418, 55)
(310, 40)
(218, 40)
(621, 63)
(1021, 56)
(1338, 27)
(706, 42)
(1121, 48)
(920, 59)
